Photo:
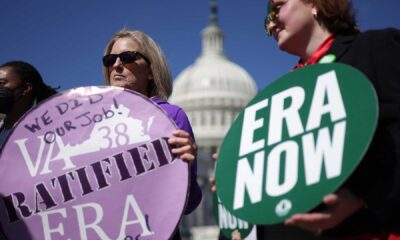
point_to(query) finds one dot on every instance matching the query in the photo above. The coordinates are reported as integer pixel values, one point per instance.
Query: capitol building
(212, 91)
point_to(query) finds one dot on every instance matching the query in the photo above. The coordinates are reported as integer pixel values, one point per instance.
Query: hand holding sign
(185, 147)
(295, 142)
(212, 178)
(339, 206)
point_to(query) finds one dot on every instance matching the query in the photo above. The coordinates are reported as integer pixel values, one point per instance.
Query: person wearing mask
(21, 88)
(367, 205)
(133, 60)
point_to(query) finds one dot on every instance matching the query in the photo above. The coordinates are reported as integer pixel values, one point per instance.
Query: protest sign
(296, 141)
(92, 163)
(228, 223)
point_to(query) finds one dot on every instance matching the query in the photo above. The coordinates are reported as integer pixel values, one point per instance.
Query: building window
(193, 119)
(212, 120)
(202, 119)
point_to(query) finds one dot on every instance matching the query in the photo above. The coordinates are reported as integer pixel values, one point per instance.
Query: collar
(157, 100)
(318, 54)
(341, 45)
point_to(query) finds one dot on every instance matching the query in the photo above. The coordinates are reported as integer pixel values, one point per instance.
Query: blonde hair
(161, 86)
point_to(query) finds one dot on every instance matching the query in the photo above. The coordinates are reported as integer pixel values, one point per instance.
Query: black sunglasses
(273, 13)
(125, 57)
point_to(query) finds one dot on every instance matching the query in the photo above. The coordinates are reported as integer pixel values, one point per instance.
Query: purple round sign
(92, 163)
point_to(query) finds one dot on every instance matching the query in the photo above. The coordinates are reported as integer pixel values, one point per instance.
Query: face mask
(6, 100)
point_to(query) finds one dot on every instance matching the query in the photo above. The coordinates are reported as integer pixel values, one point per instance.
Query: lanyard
(318, 54)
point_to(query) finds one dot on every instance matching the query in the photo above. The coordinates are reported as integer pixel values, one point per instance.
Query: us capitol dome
(212, 91)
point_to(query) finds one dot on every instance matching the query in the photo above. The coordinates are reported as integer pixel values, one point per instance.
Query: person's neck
(15, 114)
(315, 42)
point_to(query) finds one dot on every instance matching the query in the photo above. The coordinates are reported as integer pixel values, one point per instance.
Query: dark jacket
(376, 53)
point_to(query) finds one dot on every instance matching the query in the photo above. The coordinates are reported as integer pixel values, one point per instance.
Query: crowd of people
(366, 206)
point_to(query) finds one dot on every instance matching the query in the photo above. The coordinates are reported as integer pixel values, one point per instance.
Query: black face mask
(6, 100)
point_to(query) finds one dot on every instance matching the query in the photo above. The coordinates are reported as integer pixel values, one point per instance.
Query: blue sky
(65, 40)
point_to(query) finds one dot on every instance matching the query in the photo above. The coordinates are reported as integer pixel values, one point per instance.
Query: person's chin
(281, 45)
(283, 42)
(118, 84)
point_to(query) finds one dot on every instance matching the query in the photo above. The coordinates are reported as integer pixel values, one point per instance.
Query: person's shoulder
(379, 35)
(172, 109)
(374, 40)
(176, 113)
(381, 32)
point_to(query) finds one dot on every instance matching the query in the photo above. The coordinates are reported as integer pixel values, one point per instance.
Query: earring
(314, 12)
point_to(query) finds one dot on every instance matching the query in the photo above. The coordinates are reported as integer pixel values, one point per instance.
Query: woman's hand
(339, 206)
(212, 178)
(183, 146)
(236, 235)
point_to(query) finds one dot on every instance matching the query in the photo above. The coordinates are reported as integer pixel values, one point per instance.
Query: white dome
(213, 76)
(212, 90)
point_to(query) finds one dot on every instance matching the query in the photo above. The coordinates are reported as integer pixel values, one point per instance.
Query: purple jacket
(182, 121)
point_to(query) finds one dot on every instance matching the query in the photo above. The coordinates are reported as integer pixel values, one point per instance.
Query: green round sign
(296, 141)
(227, 222)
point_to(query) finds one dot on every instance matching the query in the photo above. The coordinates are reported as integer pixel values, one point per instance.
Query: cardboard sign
(92, 163)
(296, 141)
(228, 223)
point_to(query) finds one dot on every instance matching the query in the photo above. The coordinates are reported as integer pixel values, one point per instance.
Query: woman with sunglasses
(134, 61)
(367, 206)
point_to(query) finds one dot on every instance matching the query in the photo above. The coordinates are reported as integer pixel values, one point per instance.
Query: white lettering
(250, 124)
(33, 166)
(131, 203)
(94, 225)
(67, 160)
(325, 150)
(273, 187)
(290, 114)
(222, 216)
(326, 86)
(47, 231)
(250, 179)
(225, 216)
